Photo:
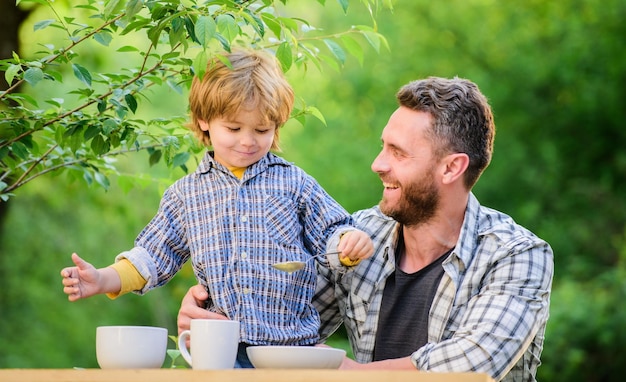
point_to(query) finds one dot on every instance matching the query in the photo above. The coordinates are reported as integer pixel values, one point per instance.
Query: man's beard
(418, 203)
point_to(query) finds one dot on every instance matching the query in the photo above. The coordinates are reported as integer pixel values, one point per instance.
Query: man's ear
(455, 166)
(204, 126)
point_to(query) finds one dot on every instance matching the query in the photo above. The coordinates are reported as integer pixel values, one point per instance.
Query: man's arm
(388, 364)
(497, 323)
(325, 303)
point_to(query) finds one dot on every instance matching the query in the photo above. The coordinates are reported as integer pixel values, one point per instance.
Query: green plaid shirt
(490, 310)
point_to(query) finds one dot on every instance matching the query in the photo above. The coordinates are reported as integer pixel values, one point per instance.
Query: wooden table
(238, 375)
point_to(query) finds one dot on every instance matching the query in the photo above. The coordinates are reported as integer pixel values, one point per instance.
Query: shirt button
(244, 255)
(244, 218)
(246, 290)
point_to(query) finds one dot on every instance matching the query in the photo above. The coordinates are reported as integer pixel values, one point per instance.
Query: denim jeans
(243, 362)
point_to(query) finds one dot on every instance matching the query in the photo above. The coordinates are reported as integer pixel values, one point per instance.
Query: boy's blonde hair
(254, 80)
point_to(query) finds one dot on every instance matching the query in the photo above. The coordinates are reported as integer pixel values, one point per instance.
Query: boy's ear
(204, 126)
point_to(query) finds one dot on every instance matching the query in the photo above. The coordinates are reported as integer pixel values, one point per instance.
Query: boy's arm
(130, 278)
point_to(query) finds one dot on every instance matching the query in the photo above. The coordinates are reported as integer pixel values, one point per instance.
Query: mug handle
(182, 346)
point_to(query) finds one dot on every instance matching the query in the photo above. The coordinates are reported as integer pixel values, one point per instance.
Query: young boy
(242, 210)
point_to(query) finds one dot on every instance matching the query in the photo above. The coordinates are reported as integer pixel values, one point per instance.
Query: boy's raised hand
(355, 246)
(80, 281)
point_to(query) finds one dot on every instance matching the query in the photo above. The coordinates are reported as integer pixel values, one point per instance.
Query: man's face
(406, 167)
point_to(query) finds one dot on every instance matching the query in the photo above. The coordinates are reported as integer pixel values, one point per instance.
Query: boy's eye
(263, 131)
(233, 128)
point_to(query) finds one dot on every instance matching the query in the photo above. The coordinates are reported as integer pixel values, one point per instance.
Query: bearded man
(452, 286)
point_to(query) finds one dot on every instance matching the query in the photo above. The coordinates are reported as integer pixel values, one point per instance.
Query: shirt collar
(470, 231)
(208, 164)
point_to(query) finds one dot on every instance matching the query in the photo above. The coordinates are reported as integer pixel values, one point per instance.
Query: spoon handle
(325, 254)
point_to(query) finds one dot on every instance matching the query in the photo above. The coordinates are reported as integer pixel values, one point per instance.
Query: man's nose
(379, 164)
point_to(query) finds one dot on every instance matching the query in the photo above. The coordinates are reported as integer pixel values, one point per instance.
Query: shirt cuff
(130, 278)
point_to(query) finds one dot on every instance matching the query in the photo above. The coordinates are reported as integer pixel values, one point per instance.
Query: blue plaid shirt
(233, 230)
(490, 310)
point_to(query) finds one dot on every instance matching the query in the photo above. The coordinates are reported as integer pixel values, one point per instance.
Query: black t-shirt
(403, 320)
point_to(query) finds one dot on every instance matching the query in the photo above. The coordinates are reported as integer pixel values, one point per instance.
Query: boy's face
(240, 140)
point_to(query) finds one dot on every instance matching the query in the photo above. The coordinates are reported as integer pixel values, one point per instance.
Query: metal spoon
(293, 266)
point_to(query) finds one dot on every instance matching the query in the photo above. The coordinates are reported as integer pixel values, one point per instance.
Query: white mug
(214, 344)
(130, 347)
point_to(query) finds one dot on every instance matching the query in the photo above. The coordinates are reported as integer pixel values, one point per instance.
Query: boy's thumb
(80, 263)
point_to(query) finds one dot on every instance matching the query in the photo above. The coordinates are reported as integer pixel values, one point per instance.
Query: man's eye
(397, 153)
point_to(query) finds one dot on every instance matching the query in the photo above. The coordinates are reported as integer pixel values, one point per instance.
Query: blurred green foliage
(555, 73)
(159, 44)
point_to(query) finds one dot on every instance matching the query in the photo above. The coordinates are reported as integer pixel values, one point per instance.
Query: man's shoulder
(501, 227)
(372, 213)
(372, 220)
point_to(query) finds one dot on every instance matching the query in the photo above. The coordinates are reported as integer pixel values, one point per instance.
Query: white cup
(130, 347)
(214, 344)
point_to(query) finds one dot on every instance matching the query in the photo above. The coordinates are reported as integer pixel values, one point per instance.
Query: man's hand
(193, 306)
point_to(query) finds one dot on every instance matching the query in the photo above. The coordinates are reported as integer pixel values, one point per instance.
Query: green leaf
(82, 74)
(311, 56)
(115, 140)
(284, 56)
(11, 72)
(128, 48)
(133, 7)
(353, 47)
(200, 63)
(227, 27)
(373, 38)
(102, 180)
(110, 7)
(344, 5)
(42, 24)
(316, 113)
(205, 29)
(4, 151)
(180, 159)
(42, 2)
(20, 150)
(255, 21)
(109, 125)
(330, 61)
(272, 24)
(137, 24)
(155, 157)
(88, 177)
(131, 102)
(54, 75)
(54, 102)
(91, 132)
(336, 50)
(99, 145)
(23, 97)
(33, 76)
(103, 38)
(102, 105)
(289, 23)
(189, 26)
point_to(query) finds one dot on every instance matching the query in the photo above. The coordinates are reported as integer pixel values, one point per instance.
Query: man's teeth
(388, 185)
